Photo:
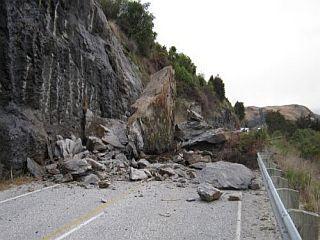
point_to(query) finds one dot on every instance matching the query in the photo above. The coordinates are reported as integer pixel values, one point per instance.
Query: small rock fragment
(136, 174)
(234, 198)
(143, 163)
(104, 184)
(91, 179)
(254, 185)
(191, 199)
(208, 193)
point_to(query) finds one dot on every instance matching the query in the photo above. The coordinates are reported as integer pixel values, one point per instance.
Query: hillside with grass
(133, 25)
(297, 148)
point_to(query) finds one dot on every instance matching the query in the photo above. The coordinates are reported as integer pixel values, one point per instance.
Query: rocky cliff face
(57, 59)
(255, 116)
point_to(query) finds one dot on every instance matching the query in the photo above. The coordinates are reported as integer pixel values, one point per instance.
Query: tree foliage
(218, 87)
(308, 142)
(239, 110)
(134, 19)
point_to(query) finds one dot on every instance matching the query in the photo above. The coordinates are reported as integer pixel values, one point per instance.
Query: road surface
(126, 210)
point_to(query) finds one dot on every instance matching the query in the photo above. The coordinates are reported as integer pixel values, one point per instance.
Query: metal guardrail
(287, 227)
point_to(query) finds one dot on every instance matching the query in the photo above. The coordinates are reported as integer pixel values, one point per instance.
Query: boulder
(194, 116)
(95, 144)
(208, 193)
(199, 135)
(255, 184)
(192, 157)
(52, 169)
(136, 174)
(151, 127)
(67, 148)
(76, 166)
(104, 184)
(91, 179)
(226, 175)
(143, 163)
(168, 171)
(96, 165)
(35, 169)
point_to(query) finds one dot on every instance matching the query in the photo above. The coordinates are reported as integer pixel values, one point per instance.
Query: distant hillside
(255, 115)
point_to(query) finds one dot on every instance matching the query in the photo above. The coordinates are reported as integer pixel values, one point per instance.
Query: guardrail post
(280, 182)
(285, 223)
(274, 172)
(289, 197)
(307, 223)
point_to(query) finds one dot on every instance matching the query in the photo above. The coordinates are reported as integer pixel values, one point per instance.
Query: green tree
(239, 110)
(111, 8)
(218, 86)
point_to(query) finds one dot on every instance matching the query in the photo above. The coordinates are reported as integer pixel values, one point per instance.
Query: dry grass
(6, 184)
(304, 176)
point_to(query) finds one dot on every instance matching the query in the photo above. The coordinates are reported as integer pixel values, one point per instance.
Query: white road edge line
(79, 226)
(238, 231)
(29, 193)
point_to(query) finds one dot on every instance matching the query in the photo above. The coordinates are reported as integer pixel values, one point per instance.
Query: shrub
(276, 122)
(134, 19)
(308, 142)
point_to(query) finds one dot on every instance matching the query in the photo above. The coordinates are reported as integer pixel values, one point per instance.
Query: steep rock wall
(57, 58)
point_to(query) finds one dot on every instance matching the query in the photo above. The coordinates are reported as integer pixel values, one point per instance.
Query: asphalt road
(149, 210)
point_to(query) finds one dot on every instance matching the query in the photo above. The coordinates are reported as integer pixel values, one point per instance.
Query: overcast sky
(266, 51)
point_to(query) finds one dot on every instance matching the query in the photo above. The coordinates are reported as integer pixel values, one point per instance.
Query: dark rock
(104, 184)
(198, 165)
(168, 171)
(134, 163)
(199, 135)
(52, 169)
(95, 144)
(192, 157)
(35, 169)
(194, 116)
(255, 184)
(151, 127)
(226, 175)
(58, 60)
(208, 193)
(143, 163)
(22, 135)
(234, 198)
(191, 199)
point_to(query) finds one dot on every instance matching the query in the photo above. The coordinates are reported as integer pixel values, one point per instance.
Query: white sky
(266, 51)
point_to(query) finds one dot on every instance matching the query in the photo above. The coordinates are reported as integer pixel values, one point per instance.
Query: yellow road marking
(76, 222)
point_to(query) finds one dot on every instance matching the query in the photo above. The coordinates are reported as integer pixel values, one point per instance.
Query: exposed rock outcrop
(58, 59)
(151, 127)
(255, 116)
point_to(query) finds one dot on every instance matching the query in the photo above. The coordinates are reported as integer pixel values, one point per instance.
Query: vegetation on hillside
(298, 147)
(239, 110)
(136, 22)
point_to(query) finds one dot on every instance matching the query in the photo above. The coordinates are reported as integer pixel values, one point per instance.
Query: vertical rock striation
(59, 58)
